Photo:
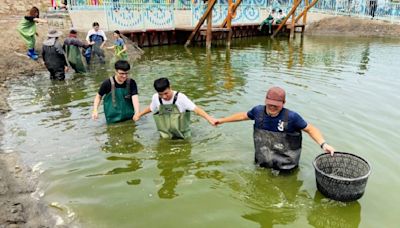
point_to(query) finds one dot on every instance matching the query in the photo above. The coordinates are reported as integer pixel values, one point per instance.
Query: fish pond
(124, 175)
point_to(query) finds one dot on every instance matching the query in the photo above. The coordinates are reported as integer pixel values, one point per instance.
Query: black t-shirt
(106, 86)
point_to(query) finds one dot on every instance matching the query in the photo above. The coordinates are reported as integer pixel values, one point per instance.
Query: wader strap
(128, 87)
(113, 91)
(175, 97)
(286, 119)
(173, 102)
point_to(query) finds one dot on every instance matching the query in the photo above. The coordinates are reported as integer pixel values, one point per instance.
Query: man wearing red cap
(277, 132)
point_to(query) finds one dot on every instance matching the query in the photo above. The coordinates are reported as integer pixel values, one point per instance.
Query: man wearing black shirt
(121, 100)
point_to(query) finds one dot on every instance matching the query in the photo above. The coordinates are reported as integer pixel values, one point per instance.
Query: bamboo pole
(293, 20)
(306, 9)
(305, 13)
(233, 11)
(229, 23)
(201, 21)
(209, 28)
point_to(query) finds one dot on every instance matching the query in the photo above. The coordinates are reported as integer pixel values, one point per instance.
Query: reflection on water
(276, 199)
(363, 67)
(173, 160)
(329, 213)
(346, 87)
(121, 141)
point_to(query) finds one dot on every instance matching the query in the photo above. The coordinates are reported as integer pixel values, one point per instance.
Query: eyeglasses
(122, 73)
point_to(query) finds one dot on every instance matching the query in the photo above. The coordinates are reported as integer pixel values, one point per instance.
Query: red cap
(275, 96)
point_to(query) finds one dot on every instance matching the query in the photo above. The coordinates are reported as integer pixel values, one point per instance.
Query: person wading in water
(121, 100)
(171, 111)
(277, 132)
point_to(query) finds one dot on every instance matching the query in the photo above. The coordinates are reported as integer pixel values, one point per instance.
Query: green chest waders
(27, 30)
(170, 122)
(74, 58)
(123, 55)
(118, 103)
(277, 150)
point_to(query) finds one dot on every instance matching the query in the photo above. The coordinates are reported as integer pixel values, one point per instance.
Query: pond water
(124, 175)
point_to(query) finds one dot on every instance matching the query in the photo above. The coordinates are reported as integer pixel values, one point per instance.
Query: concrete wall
(183, 18)
(83, 19)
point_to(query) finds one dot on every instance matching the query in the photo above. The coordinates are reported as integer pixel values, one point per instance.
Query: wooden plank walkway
(179, 35)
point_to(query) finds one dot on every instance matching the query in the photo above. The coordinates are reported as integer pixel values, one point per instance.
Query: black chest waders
(118, 103)
(277, 150)
(170, 122)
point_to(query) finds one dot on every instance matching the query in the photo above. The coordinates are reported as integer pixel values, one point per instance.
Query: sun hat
(54, 33)
(276, 96)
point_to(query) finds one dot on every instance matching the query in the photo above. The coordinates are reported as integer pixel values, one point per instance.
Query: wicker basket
(341, 177)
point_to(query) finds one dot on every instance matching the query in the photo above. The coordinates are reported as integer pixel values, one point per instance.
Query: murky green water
(124, 175)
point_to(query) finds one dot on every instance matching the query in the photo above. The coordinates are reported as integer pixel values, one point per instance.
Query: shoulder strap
(175, 97)
(128, 85)
(160, 100)
(113, 90)
(286, 119)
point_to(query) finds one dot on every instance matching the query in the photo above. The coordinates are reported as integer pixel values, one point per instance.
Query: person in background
(121, 100)
(171, 111)
(27, 30)
(96, 38)
(119, 46)
(277, 132)
(54, 56)
(72, 47)
(280, 17)
(59, 4)
(268, 21)
(373, 5)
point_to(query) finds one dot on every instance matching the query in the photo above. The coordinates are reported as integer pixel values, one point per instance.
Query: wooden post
(201, 21)
(305, 13)
(292, 28)
(229, 23)
(235, 6)
(209, 28)
(306, 9)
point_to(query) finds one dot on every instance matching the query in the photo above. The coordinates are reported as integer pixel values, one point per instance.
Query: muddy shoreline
(20, 205)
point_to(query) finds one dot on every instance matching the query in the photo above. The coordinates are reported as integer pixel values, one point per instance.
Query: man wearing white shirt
(171, 111)
(96, 38)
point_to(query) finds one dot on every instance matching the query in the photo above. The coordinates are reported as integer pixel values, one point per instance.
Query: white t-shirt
(99, 33)
(182, 102)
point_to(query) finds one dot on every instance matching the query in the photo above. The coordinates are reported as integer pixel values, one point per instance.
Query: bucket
(341, 177)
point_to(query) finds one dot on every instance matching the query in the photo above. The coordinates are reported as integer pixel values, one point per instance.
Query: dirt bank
(18, 207)
(17, 182)
(350, 26)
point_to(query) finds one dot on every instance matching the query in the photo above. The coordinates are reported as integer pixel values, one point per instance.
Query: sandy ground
(18, 206)
(350, 26)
